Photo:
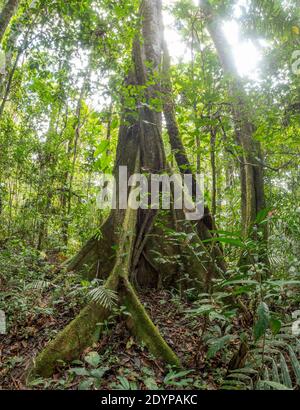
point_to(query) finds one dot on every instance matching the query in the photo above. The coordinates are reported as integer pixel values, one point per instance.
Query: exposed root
(144, 329)
(72, 340)
(79, 334)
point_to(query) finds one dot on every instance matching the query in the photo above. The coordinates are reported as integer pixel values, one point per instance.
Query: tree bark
(207, 223)
(252, 176)
(9, 82)
(213, 135)
(72, 154)
(6, 15)
(140, 147)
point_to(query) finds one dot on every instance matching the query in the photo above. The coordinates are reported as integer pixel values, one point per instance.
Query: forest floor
(37, 311)
(205, 332)
(126, 363)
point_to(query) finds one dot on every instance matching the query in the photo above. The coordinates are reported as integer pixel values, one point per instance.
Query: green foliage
(218, 344)
(178, 379)
(263, 321)
(62, 101)
(91, 377)
(104, 297)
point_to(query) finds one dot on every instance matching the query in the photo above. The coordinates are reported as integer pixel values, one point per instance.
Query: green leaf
(93, 359)
(295, 364)
(103, 146)
(229, 241)
(274, 385)
(104, 297)
(150, 383)
(262, 215)
(79, 371)
(240, 282)
(275, 326)
(215, 315)
(204, 309)
(283, 282)
(37, 382)
(263, 321)
(124, 383)
(275, 374)
(171, 377)
(218, 345)
(114, 123)
(86, 384)
(98, 373)
(285, 374)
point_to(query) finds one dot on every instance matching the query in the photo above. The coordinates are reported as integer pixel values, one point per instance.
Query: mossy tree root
(72, 340)
(79, 334)
(140, 324)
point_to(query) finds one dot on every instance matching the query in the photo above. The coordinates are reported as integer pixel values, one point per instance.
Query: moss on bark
(143, 328)
(73, 339)
(79, 333)
(70, 342)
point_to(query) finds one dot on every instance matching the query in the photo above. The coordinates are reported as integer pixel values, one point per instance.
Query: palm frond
(38, 285)
(104, 297)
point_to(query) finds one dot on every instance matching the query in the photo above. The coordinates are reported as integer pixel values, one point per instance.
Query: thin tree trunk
(48, 163)
(252, 182)
(108, 132)
(6, 15)
(213, 135)
(9, 82)
(73, 149)
(198, 140)
(207, 223)
(198, 157)
(20, 51)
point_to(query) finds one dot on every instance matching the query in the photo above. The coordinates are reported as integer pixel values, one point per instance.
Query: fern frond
(285, 374)
(38, 285)
(275, 374)
(295, 364)
(276, 386)
(104, 297)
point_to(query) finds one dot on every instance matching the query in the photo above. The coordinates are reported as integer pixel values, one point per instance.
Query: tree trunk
(6, 15)
(140, 148)
(6, 86)
(213, 172)
(72, 151)
(48, 163)
(9, 82)
(108, 130)
(252, 182)
(207, 223)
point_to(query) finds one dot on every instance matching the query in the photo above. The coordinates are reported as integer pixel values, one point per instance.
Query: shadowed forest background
(145, 299)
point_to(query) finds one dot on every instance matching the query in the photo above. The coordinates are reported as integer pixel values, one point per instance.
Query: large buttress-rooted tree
(251, 162)
(123, 254)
